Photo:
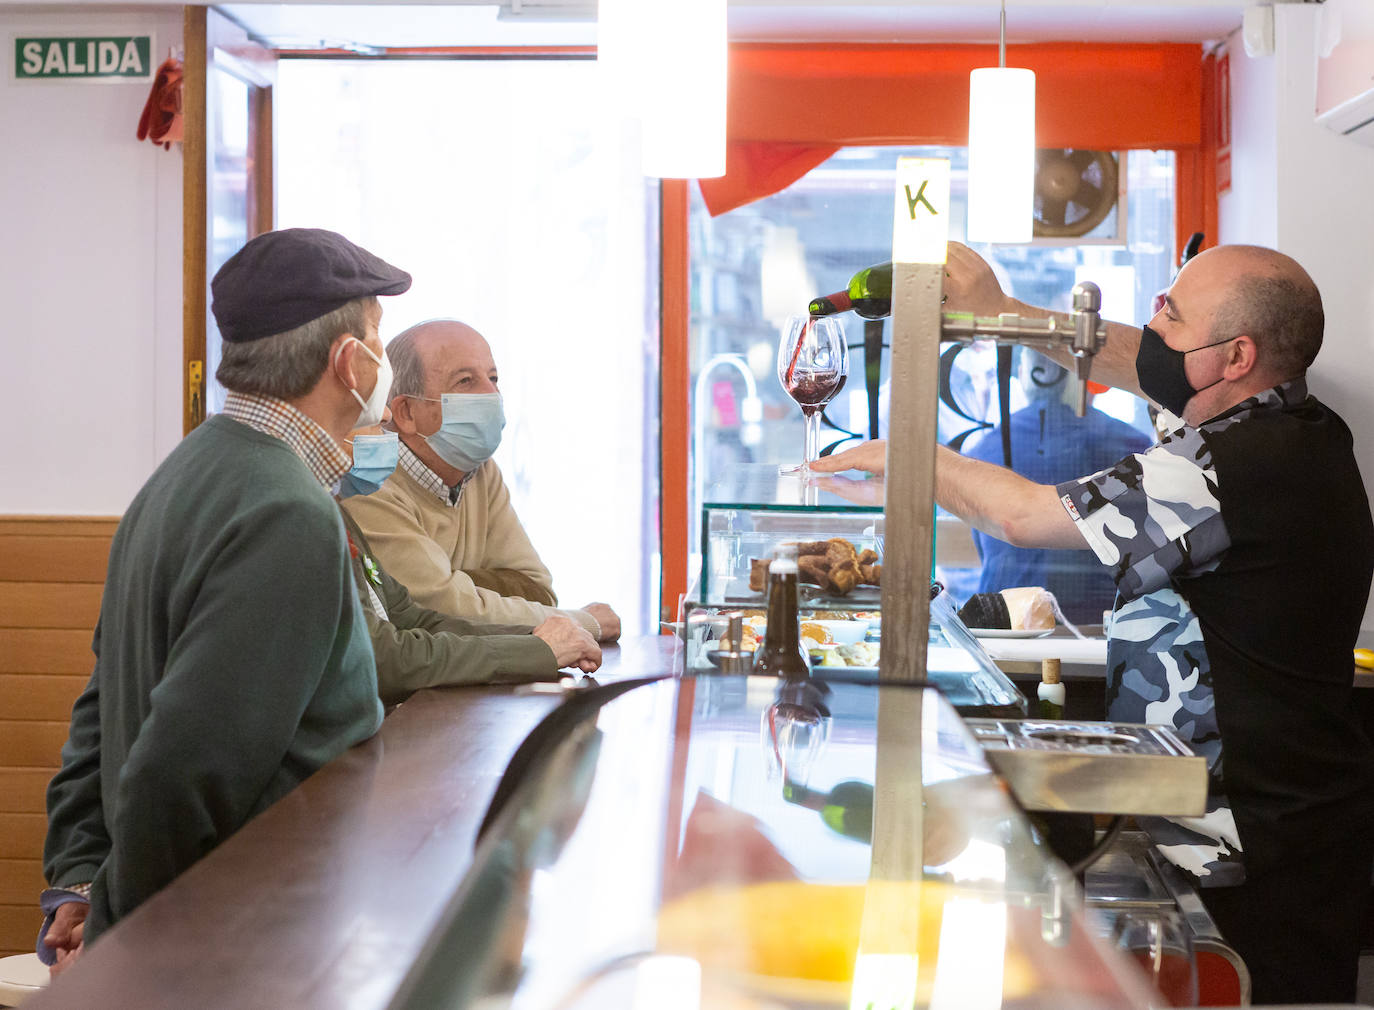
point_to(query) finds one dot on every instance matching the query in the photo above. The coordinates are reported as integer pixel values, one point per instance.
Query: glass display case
(744, 522)
(750, 843)
(747, 517)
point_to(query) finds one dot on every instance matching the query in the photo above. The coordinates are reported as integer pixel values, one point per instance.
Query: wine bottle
(847, 809)
(1049, 692)
(781, 653)
(869, 294)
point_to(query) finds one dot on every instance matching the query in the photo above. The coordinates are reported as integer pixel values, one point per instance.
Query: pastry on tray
(835, 565)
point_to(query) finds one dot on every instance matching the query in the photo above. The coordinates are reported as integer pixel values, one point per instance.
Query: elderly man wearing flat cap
(232, 659)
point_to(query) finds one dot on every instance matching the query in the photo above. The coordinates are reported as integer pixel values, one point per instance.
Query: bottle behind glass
(847, 809)
(869, 294)
(781, 653)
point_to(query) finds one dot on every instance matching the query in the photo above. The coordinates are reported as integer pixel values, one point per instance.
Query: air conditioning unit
(1345, 70)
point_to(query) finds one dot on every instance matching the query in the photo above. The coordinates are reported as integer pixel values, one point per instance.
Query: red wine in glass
(812, 365)
(813, 390)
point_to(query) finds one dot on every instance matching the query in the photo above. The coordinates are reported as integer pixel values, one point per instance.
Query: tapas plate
(1011, 632)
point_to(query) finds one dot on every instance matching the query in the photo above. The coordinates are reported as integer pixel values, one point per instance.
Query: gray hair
(289, 364)
(407, 370)
(1282, 313)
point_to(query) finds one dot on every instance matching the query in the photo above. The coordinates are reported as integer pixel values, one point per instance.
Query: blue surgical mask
(470, 431)
(374, 458)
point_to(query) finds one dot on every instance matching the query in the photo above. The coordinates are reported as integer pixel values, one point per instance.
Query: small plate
(1011, 632)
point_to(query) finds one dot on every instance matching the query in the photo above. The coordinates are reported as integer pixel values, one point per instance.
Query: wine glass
(813, 362)
(1157, 940)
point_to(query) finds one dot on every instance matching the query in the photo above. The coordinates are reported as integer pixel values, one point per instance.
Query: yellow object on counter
(1364, 659)
(796, 939)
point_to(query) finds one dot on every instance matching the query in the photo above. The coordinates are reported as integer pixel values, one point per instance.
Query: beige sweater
(430, 547)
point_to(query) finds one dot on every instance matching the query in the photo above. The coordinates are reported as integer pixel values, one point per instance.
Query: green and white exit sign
(110, 58)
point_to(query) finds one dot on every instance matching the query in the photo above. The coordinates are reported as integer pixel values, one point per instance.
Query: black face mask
(1159, 370)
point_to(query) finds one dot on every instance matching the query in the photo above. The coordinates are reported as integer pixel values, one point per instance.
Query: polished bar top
(325, 898)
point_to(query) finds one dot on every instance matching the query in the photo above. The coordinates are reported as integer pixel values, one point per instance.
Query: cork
(1049, 671)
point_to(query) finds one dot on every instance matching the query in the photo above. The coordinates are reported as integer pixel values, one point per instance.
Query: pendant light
(664, 65)
(1001, 150)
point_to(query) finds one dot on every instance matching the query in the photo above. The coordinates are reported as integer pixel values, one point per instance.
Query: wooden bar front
(325, 898)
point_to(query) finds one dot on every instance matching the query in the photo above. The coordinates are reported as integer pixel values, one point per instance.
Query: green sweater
(417, 647)
(231, 661)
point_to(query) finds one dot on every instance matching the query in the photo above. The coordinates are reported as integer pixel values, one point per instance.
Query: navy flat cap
(284, 279)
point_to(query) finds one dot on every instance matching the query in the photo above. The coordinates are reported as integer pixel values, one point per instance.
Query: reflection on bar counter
(683, 864)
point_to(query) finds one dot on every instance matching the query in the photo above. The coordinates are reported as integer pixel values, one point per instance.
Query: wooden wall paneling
(49, 604)
(21, 881)
(39, 696)
(36, 558)
(45, 650)
(33, 743)
(52, 572)
(21, 835)
(22, 790)
(19, 928)
(60, 526)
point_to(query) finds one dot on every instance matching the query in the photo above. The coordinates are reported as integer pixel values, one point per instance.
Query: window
(753, 266)
(520, 211)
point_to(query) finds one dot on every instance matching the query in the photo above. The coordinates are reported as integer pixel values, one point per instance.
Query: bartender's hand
(870, 456)
(571, 643)
(66, 933)
(860, 491)
(971, 286)
(606, 617)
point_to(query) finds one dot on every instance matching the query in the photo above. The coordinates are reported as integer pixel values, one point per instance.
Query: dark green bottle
(781, 653)
(869, 294)
(847, 809)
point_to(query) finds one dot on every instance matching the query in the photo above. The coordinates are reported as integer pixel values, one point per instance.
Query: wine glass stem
(812, 446)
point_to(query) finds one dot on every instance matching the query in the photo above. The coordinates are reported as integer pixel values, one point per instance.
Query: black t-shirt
(1243, 551)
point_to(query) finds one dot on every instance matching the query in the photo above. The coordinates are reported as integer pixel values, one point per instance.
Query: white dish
(841, 632)
(1011, 632)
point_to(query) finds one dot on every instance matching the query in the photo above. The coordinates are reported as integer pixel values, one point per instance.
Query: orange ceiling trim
(1107, 97)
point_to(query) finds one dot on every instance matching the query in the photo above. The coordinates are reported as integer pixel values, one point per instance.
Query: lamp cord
(1002, 38)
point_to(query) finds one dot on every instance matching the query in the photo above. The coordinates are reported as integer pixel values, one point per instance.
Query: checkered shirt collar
(431, 481)
(271, 416)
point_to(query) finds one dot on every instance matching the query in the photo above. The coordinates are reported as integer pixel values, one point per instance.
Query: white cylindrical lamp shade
(683, 104)
(1001, 154)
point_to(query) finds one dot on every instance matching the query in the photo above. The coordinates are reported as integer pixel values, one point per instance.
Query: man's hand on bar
(870, 456)
(860, 492)
(65, 934)
(571, 643)
(607, 618)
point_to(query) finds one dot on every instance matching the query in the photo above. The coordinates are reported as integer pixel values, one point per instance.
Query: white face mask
(375, 404)
(471, 429)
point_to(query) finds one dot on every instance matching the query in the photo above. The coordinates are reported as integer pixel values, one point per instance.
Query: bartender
(1242, 549)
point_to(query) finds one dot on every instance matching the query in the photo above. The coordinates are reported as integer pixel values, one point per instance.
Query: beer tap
(1084, 335)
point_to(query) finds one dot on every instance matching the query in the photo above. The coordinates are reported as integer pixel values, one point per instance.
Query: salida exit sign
(85, 57)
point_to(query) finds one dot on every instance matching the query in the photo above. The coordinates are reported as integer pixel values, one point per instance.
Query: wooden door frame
(216, 41)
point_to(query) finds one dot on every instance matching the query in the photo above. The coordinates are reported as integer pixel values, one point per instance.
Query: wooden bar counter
(325, 898)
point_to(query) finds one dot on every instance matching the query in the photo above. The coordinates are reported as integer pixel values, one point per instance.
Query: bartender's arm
(971, 286)
(990, 498)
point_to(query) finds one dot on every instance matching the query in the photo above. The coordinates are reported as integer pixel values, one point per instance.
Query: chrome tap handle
(1089, 336)
(1084, 335)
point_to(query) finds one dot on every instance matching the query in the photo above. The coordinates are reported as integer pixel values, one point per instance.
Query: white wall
(90, 279)
(1310, 193)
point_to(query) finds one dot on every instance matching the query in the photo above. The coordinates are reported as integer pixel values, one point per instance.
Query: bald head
(1270, 298)
(441, 356)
